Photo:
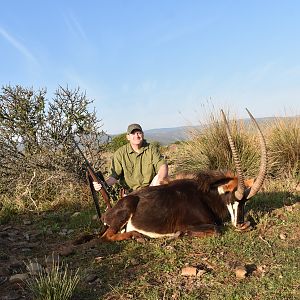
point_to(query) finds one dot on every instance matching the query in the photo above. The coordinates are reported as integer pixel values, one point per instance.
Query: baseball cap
(132, 127)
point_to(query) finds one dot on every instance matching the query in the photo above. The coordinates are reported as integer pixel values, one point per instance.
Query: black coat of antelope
(194, 206)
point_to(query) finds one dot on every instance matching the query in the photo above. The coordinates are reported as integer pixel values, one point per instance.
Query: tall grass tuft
(284, 148)
(209, 148)
(54, 283)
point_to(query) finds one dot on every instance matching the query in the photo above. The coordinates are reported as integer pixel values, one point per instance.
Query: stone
(66, 251)
(76, 214)
(189, 271)
(91, 278)
(240, 272)
(17, 278)
(282, 236)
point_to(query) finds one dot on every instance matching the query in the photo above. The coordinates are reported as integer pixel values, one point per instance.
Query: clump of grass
(210, 149)
(56, 282)
(284, 148)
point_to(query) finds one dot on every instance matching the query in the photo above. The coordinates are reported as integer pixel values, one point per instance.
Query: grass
(284, 144)
(209, 148)
(56, 282)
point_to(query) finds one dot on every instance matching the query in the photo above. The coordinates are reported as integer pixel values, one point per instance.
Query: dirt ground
(19, 245)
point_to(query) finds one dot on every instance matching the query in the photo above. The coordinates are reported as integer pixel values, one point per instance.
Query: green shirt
(136, 170)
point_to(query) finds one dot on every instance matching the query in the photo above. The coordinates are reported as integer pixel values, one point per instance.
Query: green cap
(132, 127)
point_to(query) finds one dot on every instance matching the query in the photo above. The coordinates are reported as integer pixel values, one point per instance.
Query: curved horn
(239, 194)
(263, 161)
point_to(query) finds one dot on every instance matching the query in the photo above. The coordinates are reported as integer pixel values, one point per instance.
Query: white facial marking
(221, 190)
(233, 210)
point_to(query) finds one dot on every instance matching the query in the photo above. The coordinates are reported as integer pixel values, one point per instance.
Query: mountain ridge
(169, 135)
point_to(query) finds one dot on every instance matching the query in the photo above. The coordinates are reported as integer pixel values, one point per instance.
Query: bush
(118, 141)
(37, 150)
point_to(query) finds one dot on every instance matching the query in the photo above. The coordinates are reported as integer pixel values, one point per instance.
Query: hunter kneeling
(137, 164)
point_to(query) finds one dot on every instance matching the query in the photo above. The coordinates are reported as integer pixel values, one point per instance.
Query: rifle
(98, 177)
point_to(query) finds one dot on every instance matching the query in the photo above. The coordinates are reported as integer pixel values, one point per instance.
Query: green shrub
(117, 141)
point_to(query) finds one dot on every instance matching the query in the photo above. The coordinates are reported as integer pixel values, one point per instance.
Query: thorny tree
(37, 139)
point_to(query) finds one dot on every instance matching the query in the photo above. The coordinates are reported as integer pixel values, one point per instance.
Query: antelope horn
(263, 161)
(239, 194)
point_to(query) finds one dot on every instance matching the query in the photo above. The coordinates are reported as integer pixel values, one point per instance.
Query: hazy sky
(160, 63)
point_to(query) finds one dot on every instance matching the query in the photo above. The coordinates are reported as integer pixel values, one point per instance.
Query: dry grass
(284, 147)
(209, 148)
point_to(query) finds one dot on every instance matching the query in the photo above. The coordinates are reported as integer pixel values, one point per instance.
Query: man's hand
(97, 186)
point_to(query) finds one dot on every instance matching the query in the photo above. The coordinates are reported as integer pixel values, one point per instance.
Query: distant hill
(166, 136)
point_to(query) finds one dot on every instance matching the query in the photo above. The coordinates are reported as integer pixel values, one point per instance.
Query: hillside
(166, 136)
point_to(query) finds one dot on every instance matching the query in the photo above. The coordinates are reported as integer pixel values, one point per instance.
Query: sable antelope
(194, 206)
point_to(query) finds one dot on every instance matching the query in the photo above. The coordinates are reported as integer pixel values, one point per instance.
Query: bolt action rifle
(98, 177)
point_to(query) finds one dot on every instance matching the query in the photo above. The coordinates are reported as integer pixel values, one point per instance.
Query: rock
(98, 259)
(76, 214)
(15, 264)
(66, 251)
(189, 271)
(17, 278)
(240, 272)
(91, 278)
(3, 279)
(282, 236)
(27, 222)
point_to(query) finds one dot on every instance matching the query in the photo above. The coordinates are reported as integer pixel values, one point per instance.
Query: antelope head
(244, 189)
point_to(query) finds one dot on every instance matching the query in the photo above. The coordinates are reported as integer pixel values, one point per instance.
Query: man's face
(135, 137)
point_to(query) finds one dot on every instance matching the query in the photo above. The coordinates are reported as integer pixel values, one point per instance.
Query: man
(137, 164)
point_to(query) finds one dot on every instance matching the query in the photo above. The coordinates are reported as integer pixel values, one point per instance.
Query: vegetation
(55, 283)
(39, 161)
(284, 144)
(118, 141)
(43, 181)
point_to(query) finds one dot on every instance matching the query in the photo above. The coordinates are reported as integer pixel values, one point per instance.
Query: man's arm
(162, 172)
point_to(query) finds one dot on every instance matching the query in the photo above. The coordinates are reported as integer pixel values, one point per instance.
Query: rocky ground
(20, 245)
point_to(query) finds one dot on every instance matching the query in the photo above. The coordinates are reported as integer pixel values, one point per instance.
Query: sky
(160, 63)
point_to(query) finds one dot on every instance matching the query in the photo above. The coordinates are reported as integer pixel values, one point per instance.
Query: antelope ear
(249, 182)
(228, 187)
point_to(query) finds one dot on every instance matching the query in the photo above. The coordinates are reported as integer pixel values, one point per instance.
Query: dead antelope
(194, 206)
